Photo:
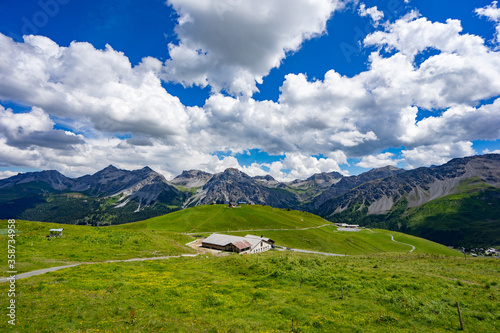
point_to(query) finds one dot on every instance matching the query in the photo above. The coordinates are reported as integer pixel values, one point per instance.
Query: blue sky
(288, 88)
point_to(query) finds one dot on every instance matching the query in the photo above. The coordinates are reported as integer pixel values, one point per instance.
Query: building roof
(57, 230)
(242, 244)
(239, 242)
(258, 237)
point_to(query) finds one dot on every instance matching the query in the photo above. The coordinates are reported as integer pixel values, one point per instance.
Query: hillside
(165, 235)
(271, 292)
(469, 218)
(288, 228)
(34, 250)
(455, 204)
(209, 218)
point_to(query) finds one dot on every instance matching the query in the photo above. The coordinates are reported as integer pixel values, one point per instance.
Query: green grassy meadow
(209, 218)
(85, 244)
(385, 288)
(328, 239)
(283, 226)
(165, 235)
(265, 293)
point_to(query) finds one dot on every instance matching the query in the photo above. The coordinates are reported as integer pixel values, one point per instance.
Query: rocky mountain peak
(232, 174)
(109, 168)
(186, 174)
(325, 176)
(346, 184)
(192, 178)
(233, 185)
(233, 171)
(268, 178)
(417, 186)
(53, 178)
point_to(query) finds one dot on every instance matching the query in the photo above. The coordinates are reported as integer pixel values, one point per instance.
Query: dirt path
(52, 269)
(315, 252)
(395, 241)
(413, 247)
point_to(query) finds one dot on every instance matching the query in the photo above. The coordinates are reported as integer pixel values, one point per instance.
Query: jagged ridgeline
(110, 196)
(456, 203)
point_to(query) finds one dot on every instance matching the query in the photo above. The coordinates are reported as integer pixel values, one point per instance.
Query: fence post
(460, 316)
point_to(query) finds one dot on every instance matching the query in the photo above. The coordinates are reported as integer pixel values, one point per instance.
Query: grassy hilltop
(209, 218)
(286, 227)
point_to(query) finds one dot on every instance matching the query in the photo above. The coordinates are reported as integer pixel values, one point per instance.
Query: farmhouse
(247, 244)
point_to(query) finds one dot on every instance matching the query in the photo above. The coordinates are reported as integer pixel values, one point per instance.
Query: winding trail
(413, 247)
(315, 252)
(52, 269)
(395, 241)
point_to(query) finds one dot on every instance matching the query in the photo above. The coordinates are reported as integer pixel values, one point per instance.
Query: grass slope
(328, 239)
(209, 218)
(264, 293)
(470, 218)
(84, 243)
(206, 219)
(162, 236)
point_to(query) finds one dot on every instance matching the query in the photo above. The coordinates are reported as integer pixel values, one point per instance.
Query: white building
(345, 225)
(247, 244)
(56, 232)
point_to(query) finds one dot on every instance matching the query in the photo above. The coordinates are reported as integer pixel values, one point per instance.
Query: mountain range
(463, 195)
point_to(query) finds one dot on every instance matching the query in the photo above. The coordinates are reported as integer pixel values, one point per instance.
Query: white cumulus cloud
(492, 12)
(377, 161)
(99, 87)
(487, 151)
(7, 174)
(437, 154)
(121, 114)
(232, 44)
(375, 14)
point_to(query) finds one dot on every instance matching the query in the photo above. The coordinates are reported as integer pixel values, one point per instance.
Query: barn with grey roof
(229, 243)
